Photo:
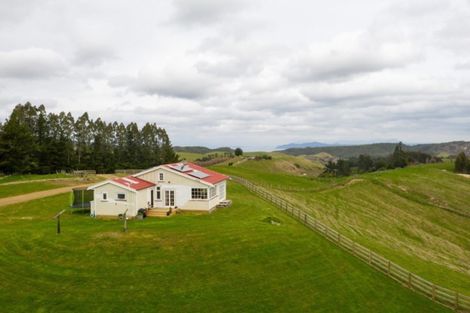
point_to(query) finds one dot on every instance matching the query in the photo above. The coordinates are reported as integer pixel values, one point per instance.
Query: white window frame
(199, 194)
(158, 194)
(123, 199)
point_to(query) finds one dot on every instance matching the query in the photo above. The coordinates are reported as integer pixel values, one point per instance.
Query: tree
(238, 152)
(461, 163)
(398, 158)
(365, 163)
(343, 168)
(33, 141)
(18, 144)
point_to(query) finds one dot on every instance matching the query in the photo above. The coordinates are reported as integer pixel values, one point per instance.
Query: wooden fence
(449, 298)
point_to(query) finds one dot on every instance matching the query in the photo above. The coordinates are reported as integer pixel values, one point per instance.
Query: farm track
(37, 195)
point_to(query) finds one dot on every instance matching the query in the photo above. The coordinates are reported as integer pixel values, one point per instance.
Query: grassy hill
(229, 261)
(383, 149)
(406, 214)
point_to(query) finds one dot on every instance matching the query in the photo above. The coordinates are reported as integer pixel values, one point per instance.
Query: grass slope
(229, 261)
(402, 214)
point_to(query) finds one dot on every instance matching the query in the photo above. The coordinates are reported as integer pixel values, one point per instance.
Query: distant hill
(302, 145)
(201, 150)
(384, 149)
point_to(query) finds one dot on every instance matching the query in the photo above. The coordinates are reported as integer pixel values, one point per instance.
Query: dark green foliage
(238, 152)
(338, 169)
(33, 141)
(462, 165)
(202, 150)
(365, 163)
(399, 157)
(263, 157)
(383, 149)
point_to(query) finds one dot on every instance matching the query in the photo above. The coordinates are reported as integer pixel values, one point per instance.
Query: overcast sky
(254, 73)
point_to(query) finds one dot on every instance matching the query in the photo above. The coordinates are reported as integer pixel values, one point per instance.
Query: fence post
(305, 218)
(370, 256)
(456, 300)
(409, 280)
(339, 238)
(388, 267)
(433, 292)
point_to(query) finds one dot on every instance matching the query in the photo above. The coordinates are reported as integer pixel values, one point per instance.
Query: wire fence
(449, 298)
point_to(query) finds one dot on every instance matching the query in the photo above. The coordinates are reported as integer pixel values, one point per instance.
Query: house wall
(182, 187)
(221, 190)
(111, 206)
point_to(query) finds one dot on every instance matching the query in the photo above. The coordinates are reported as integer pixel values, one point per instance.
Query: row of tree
(365, 163)
(462, 163)
(34, 141)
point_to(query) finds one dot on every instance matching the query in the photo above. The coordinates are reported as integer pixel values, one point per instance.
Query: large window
(198, 193)
(121, 196)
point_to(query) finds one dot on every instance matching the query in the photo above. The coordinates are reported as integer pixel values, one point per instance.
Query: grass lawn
(14, 190)
(229, 261)
(402, 214)
(18, 178)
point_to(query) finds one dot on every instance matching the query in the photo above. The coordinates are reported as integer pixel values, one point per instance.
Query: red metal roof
(191, 169)
(133, 182)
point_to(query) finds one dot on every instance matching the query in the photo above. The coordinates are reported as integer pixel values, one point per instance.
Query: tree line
(365, 163)
(34, 141)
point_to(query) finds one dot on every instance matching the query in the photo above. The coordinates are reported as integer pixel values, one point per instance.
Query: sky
(254, 74)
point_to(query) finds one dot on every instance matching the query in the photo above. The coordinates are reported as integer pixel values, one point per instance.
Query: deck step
(160, 212)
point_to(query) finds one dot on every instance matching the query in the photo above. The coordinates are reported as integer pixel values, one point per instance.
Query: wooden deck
(160, 212)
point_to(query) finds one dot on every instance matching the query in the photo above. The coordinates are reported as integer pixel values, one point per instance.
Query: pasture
(413, 216)
(230, 261)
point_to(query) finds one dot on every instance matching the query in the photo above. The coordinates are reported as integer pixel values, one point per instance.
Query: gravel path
(36, 195)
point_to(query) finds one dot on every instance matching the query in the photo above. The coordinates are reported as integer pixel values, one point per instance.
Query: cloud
(93, 53)
(32, 63)
(205, 12)
(175, 82)
(348, 56)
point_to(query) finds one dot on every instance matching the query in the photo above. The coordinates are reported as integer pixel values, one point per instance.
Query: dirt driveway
(36, 195)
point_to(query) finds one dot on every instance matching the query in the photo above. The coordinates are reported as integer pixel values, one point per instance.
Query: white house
(183, 186)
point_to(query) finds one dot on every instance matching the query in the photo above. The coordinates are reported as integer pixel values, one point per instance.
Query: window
(212, 192)
(105, 196)
(159, 193)
(161, 176)
(121, 196)
(198, 193)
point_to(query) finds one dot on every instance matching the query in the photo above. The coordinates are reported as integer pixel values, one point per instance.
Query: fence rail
(449, 298)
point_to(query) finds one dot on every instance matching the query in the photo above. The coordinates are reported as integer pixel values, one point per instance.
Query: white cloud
(347, 56)
(31, 63)
(252, 73)
(202, 12)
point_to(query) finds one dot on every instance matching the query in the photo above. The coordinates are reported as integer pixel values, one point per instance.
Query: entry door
(169, 198)
(151, 198)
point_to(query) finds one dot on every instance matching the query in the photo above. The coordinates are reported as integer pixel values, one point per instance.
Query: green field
(410, 215)
(14, 190)
(25, 187)
(229, 261)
